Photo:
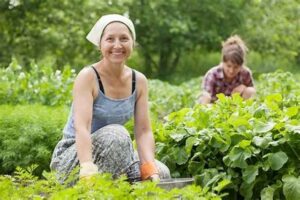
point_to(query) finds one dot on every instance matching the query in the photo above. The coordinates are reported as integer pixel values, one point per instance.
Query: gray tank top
(106, 110)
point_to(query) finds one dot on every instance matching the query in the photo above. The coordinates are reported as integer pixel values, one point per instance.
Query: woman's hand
(239, 89)
(87, 170)
(205, 98)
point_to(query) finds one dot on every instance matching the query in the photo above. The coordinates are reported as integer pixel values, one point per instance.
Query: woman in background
(231, 75)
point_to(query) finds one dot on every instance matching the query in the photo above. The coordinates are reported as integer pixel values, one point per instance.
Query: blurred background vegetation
(176, 40)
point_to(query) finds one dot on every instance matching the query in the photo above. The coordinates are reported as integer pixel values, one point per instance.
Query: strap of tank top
(133, 81)
(99, 80)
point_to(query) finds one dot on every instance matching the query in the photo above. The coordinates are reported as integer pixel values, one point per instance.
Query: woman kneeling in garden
(231, 75)
(105, 96)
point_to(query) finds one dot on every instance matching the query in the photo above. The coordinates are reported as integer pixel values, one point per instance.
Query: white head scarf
(96, 32)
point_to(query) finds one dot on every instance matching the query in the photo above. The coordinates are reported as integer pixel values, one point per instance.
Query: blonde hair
(234, 49)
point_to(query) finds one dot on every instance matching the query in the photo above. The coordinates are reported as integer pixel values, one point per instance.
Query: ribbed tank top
(105, 111)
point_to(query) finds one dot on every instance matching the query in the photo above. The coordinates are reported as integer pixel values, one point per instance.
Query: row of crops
(234, 149)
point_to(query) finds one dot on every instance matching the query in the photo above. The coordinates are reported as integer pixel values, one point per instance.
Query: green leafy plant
(234, 146)
(24, 185)
(40, 85)
(29, 135)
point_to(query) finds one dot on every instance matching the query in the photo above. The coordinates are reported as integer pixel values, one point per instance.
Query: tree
(54, 31)
(273, 27)
(168, 29)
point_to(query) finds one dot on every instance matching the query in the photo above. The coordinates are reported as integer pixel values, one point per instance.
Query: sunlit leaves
(261, 127)
(262, 142)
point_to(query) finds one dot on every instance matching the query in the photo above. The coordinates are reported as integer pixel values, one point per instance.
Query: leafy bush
(29, 135)
(241, 147)
(40, 85)
(267, 63)
(165, 98)
(284, 83)
(194, 64)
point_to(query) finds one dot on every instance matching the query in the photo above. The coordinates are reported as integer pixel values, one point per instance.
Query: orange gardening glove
(87, 170)
(148, 170)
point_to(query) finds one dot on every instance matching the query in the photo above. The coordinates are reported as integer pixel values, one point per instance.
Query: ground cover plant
(24, 185)
(29, 134)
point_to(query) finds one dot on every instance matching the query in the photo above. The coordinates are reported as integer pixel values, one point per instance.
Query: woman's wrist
(148, 169)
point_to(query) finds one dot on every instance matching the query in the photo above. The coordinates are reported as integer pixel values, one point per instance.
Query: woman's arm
(143, 132)
(204, 98)
(246, 89)
(207, 88)
(82, 110)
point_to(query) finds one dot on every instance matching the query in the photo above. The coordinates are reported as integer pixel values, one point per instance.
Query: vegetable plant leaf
(180, 156)
(261, 127)
(178, 136)
(238, 157)
(277, 160)
(189, 143)
(291, 187)
(262, 142)
(250, 173)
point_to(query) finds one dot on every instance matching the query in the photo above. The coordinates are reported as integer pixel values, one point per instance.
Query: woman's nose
(117, 43)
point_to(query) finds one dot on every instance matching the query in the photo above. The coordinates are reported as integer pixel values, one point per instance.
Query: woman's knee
(163, 170)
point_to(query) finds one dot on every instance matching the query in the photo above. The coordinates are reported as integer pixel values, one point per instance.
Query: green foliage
(169, 34)
(291, 187)
(162, 103)
(234, 146)
(43, 85)
(194, 64)
(272, 27)
(168, 30)
(26, 186)
(29, 135)
(260, 63)
(283, 83)
(51, 30)
(40, 85)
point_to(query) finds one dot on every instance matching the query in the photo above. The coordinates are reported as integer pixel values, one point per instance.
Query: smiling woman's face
(230, 69)
(116, 43)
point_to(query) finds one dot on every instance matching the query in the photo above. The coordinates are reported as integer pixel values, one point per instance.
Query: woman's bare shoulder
(85, 74)
(140, 76)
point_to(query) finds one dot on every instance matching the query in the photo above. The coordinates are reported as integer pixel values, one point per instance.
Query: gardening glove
(149, 171)
(87, 170)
